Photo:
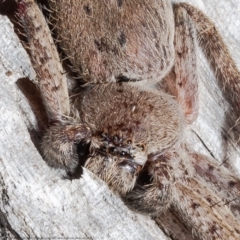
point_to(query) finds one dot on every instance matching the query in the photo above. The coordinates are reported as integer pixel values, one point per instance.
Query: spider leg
(45, 59)
(60, 145)
(201, 208)
(173, 226)
(153, 193)
(189, 199)
(218, 178)
(217, 53)
(185, 67)
(60, 142)
(193, 202)
(182, 81)
(227, 186)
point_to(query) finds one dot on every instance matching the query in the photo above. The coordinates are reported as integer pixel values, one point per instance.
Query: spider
(132, 136)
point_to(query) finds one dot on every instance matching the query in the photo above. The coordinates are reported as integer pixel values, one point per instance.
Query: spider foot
(153, 193)
(63, 145)
(149, 199)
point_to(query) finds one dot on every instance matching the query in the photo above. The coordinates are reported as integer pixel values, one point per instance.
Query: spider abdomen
(110, 42)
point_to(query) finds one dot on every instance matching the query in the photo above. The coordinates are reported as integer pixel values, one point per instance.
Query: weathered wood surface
(37, 202)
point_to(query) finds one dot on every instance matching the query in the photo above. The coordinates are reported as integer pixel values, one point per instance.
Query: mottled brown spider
(130, 135)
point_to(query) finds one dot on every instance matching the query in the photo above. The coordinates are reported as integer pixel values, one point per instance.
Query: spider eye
(123, 153)
(141, 146)
(112, 150)
(104, 148)
(129, 142)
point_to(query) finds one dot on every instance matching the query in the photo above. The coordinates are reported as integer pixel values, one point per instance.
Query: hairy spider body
(122, 134)
(117, 43)
(134, 137)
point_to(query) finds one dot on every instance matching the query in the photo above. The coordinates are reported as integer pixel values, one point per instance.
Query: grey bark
(37, 202)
